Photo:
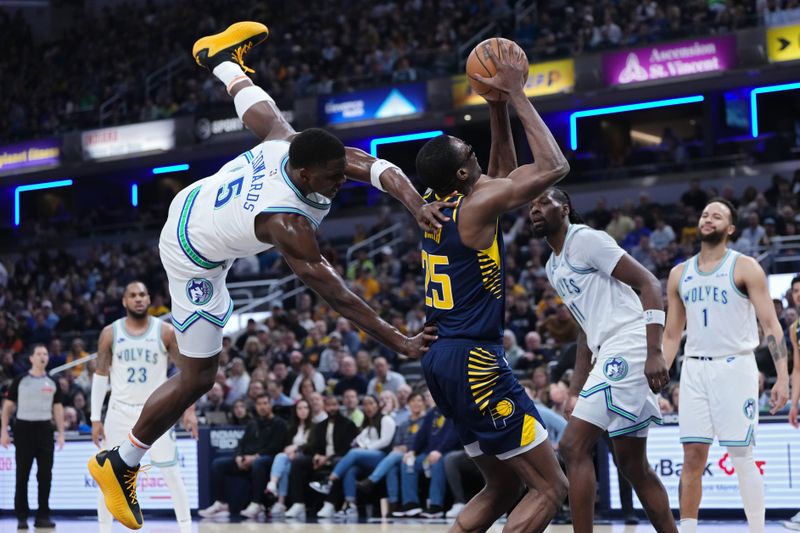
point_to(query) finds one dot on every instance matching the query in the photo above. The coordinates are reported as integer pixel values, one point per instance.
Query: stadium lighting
(573, 118)
(34, 187)
(754, 101)
(135, 195)
(377, 141)
(171, 168)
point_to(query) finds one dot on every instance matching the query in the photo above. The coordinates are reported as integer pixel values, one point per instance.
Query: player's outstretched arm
(549, 166)
(294, 237)
(100, 383)
(503, 154)
(630, 272)
(676, 317)
(749, 273)
(365, 168)
(795, 377)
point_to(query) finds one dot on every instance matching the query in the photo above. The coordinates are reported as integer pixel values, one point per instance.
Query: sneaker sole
(114, 498)
(234, 35)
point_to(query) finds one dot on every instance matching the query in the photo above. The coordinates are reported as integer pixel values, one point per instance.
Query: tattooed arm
(749, 275)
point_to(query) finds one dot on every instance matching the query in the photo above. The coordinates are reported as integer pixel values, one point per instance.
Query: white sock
(229, 73)
(688, 525)
(104, 517)
(180, 500)
(132, 450)
(751, 486)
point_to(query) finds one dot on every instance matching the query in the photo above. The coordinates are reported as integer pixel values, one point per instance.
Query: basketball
(480, 62)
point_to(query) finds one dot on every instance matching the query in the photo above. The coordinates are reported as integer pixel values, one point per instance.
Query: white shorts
(200, 300)
(119, 422)
(719, 398)
(616, 396)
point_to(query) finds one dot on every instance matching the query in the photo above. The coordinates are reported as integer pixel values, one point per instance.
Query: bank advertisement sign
(670, 60)
(777, 455)
(375, 104)
(550, 77)
(74, 489)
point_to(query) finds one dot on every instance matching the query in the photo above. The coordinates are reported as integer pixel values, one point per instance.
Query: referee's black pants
(33, 440)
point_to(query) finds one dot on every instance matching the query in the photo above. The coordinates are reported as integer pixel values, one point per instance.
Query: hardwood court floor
(86, 525)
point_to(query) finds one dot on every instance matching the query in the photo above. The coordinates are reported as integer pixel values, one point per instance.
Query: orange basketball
(480, 62)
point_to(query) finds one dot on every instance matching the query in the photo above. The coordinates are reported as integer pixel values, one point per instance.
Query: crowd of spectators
(304, 354)
(93, 54)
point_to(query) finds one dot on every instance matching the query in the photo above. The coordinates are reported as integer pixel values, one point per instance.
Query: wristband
(654, 316)
(377, 169)
(99, 389)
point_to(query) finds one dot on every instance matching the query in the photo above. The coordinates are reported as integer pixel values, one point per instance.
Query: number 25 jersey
(464, 288)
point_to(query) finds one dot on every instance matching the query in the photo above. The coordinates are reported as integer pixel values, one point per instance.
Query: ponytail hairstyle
(561, 196)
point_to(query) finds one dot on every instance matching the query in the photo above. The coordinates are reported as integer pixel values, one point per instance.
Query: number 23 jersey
(464, 288)
(139, 362)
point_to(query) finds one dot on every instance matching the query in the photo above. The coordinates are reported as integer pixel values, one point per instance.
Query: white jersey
(720, 320)
(219, 213)
(608, 311)
(139, 362)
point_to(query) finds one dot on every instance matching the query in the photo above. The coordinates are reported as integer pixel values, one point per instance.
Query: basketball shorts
(473, 385)
(719, 398)
(616, 396)
(120, 418)
(201, 304)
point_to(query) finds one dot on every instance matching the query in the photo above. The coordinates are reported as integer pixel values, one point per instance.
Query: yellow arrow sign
(783, 43)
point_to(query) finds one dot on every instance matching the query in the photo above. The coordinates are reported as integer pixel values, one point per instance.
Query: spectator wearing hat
(384, 379)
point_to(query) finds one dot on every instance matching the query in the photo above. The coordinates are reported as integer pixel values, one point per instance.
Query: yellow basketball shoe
(117, 481)
(229, 45)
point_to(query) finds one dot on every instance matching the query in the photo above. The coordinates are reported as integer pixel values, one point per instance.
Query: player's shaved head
(444, 163)
(135, 286)
(314, 147)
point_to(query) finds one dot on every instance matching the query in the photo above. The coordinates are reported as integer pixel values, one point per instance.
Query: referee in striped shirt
(37, 400)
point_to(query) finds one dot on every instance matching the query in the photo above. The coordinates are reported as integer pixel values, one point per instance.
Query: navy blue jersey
(464, 288)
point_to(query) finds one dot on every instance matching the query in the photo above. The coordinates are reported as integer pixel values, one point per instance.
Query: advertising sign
(74, 489)
(543, 78)
(375, 104)
(670, 60)
(776, 445)
(783, 43)
(212, 123)
(129, 140)
(28, 155)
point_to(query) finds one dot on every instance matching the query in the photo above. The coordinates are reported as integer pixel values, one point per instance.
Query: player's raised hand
(430, 216)
(98, 433)
(416, 346)
(511, 70)
(779, 395)
(656, 371)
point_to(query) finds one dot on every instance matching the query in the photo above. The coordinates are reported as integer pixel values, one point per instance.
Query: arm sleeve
(594, 249)
(13, 390)
(387, 434)
(59, 396)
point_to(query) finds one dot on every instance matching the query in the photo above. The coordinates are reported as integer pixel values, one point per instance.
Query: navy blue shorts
(472, 384)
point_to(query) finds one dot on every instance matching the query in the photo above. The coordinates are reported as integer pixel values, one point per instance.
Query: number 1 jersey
(464, 288)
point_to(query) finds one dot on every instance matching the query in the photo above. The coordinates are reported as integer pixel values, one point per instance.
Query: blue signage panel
(374, 104)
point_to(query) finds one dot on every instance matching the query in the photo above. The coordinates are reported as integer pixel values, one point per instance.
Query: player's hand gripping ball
(481, 62)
